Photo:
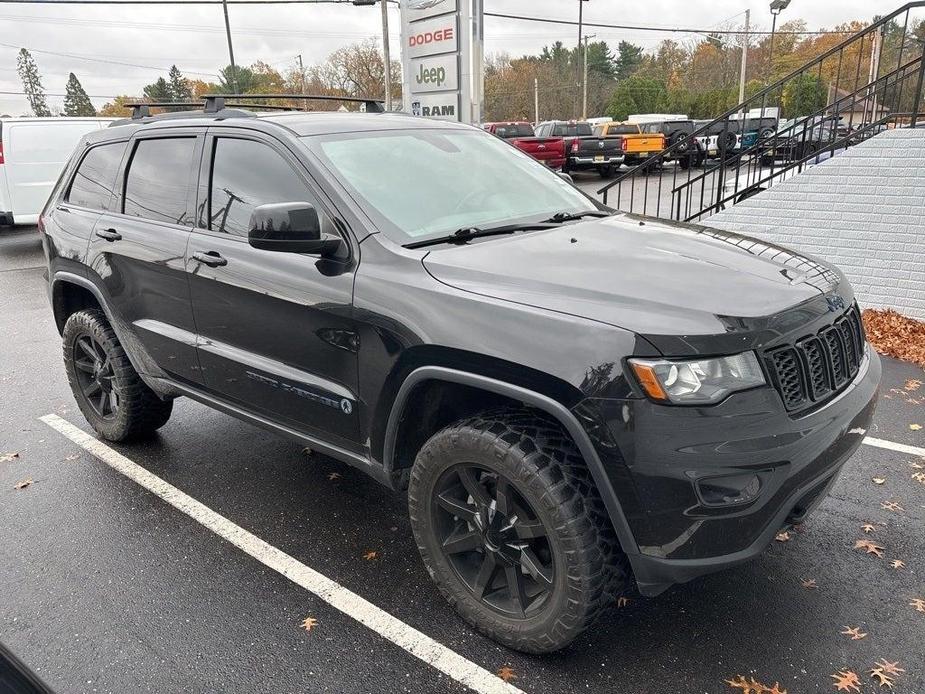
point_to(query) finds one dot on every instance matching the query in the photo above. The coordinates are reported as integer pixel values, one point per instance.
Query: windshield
(422, 183)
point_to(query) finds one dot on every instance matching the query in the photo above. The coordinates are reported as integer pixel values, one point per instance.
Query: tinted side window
(157, 182)
(246, 174)
(95, 179)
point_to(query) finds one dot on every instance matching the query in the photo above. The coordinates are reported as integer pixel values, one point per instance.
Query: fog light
(729, 491)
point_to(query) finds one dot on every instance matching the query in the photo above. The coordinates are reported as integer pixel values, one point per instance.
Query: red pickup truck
(548, 150)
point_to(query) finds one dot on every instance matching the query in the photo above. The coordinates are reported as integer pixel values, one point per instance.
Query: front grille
(818, 366)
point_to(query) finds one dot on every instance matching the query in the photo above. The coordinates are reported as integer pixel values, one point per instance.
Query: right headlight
(697, 381)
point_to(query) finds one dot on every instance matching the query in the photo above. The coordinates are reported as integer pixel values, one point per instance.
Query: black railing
(873, 80)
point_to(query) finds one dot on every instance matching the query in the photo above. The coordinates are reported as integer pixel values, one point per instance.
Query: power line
(102, 60)
(628, 27)
(176, 2)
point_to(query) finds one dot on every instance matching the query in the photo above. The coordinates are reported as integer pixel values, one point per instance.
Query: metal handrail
(859, 36)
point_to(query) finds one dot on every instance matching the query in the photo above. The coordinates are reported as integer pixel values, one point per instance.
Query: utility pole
(386, 56)
(234, 70)
(584, 89)
(304, 104)
(777, 6)
(748, 14)
(871, 101)
(581, 7)
(536, 100)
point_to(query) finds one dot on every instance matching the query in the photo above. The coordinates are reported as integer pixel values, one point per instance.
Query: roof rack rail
(216, 102)
(142, 109)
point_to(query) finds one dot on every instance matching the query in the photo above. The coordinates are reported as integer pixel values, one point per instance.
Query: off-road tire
(531, 449)
(140, 411)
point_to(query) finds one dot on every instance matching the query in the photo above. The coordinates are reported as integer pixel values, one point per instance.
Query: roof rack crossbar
(372, 105)
(142, 109)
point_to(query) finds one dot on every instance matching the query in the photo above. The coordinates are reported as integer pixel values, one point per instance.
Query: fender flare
(542, 402)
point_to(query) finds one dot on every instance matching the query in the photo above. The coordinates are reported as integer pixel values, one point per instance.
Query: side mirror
(292, 227)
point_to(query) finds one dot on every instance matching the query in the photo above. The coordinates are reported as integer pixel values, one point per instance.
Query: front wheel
(512, 530)
(109, 392)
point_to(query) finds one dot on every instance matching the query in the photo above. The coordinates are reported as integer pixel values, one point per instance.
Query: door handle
(109, 234)
(210, 258)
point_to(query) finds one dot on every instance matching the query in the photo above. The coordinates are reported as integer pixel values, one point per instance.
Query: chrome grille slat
(818, 366)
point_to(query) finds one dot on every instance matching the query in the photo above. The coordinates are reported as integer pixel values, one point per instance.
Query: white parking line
(410, 639)
(893, 446)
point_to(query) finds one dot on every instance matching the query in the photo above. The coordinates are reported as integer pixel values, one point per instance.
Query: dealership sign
(442, 58)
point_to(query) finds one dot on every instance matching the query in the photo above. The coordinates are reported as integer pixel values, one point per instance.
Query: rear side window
(95, 179)
(514, 130)
(246, 174)
(157, 182)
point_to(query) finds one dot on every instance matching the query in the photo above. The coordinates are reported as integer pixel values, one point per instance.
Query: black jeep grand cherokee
(577, 400)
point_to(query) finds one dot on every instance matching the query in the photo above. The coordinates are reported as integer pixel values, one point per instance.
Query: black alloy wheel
(493, 540)
(95, 376)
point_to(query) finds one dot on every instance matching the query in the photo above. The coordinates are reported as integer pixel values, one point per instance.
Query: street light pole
(234, 76)
(777, 6)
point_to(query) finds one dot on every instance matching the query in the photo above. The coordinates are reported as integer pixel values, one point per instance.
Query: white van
(33, 151)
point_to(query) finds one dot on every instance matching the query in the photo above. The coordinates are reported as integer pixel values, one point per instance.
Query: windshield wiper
(461, 236)
(560, 217)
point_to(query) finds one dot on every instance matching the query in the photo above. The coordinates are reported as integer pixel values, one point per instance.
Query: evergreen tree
(32, 83)
(158, 90)
(76, 101)
(180, 89)
(629, 57)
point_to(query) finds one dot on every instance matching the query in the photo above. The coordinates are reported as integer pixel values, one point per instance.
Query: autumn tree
(116, 108)
(76, 101)
(637, 95)
(356, 70)
(158, 91)
(32, 83)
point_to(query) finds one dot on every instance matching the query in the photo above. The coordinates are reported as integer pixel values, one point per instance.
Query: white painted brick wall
(863, 210)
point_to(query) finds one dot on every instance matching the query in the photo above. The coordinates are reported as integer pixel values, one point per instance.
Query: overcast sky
(153, 38)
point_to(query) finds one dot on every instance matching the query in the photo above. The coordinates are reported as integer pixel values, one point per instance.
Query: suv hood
(653, 277)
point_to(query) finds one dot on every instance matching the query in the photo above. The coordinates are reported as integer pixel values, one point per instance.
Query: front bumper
(667, 453)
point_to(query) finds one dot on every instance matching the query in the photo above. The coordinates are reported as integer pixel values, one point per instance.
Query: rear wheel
(109, 392)
(605, 171)
(513, 531)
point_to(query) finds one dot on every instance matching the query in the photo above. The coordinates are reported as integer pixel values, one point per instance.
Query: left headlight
(697, 381)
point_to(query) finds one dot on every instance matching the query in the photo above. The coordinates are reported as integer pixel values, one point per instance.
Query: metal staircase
(875, 82)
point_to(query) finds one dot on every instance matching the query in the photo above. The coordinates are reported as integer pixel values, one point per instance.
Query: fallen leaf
(878, 480)
(7, 457)
(854, 632)
(898, 564)
(918, 604)
(917, 466)
(23, 484)
(371, 555)
(895, 335)
(913, 384)
(307, 451)
(507, 674)
(309, 623)
(889, 668)
(884, 679)
(915, 427)
(868, 528)
(775, 689)
(748, 686)
(783, 536)
(845, 681)
(333, 476)
(892, 506)
(73, 457)
(809, 584)
(623, 601)
(919, 477)
(869, 547)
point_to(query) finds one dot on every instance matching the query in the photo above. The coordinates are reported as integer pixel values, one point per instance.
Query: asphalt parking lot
(109, 588)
